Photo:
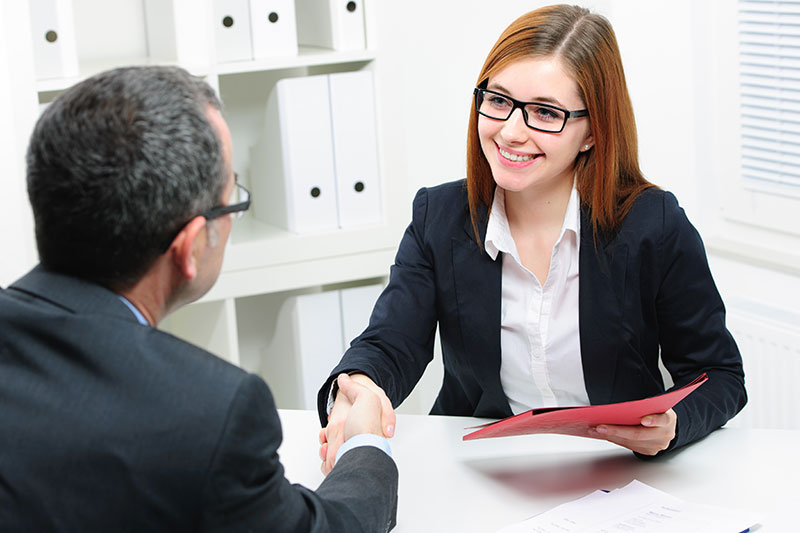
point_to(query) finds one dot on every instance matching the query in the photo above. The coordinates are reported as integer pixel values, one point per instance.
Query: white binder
(306, 346)
(357, 304)
(355, 148)
(273, 28)
(232, 30)
(54, 48)
(318, 321)
(336, 24)
(176, 31)
(292, 169)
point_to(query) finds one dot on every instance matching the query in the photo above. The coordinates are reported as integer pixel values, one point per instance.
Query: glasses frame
(217, 211)
(516, 104)
(238, 208)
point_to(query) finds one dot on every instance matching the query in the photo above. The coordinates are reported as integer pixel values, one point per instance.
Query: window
(769, 86)
(750, 88)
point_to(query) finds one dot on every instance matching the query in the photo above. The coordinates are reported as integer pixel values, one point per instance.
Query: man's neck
(154, 294)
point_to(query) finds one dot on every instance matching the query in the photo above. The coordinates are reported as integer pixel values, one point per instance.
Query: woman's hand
(653, 435)
(332, 436)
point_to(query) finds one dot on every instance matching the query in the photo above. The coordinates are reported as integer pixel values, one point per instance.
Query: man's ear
(184, 245)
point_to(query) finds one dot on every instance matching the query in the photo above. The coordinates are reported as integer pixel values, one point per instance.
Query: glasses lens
(545, 118)
(494, 105)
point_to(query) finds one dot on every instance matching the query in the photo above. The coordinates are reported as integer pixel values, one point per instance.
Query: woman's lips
(515, 159)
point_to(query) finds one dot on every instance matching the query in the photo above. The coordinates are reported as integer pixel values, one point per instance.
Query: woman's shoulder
(447, 192)
(654, 206)
(445, 199)
(655, 198)
(655, 214)
(442, 208)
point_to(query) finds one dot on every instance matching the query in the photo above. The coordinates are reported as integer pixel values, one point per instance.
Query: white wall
(17, 113)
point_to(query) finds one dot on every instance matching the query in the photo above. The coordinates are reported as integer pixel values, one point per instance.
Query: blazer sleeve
(692, 332)
(246, 490)
(397, 345)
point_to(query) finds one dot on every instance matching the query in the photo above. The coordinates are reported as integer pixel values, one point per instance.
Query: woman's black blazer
(646, 290)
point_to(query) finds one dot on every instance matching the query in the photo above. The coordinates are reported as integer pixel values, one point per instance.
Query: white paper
(634, 508)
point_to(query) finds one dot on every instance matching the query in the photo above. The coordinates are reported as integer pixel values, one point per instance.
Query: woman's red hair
(608, 175)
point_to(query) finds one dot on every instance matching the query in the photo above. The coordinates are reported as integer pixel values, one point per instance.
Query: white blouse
(539, 335)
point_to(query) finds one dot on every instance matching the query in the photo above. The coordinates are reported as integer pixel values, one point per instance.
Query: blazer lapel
(601, 296)
(478, 291)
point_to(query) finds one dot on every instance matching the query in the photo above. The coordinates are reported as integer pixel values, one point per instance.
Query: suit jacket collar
(72, 294)
(601, 293)
(478, 281)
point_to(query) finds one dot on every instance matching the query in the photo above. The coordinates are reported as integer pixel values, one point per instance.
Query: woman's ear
(184, 245)
(588, 142)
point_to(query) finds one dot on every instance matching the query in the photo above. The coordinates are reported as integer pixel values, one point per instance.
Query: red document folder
(578, 420)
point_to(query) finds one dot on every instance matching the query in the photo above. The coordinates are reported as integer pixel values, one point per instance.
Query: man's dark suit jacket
(646, 288)
(109, 425)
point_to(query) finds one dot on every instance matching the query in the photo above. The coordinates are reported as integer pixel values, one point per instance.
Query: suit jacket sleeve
(692, 332)
(246, 490)
(398, 343)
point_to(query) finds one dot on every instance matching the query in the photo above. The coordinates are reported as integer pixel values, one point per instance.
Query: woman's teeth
(513, 157)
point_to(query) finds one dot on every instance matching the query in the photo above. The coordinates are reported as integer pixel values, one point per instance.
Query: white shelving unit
(264, 264)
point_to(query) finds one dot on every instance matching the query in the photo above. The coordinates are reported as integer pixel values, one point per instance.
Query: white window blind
(769, 64)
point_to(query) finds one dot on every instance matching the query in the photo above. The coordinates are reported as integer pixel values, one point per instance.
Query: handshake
(360, 407)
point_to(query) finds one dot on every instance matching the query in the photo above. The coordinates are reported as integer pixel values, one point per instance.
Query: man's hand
(653, 435)
(360, 407)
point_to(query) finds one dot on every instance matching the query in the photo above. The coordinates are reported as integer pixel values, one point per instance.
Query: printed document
(635, 508)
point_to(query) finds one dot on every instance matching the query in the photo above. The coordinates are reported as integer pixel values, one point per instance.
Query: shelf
(308, 56)
(89, 69)
(256, 243)
(262, 258)
(285, 276)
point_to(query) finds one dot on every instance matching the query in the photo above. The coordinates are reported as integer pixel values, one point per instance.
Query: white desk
(450, 485)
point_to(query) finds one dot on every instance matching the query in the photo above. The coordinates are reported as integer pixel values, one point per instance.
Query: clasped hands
(361, 406)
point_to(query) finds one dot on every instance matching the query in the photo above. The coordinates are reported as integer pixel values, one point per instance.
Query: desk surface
(450, 485)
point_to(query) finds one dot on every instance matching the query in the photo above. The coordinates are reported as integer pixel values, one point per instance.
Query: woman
(556, 273)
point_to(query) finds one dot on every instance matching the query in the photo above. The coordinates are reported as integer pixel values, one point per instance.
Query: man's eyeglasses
(238, 203)
(538, 116)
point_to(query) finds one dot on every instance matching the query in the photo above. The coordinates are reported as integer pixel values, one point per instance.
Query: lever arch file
(273, 28)
(335, 24)
(306, 346)
(232, 30)
(54, 48)
(292, 165)
(312, 332)
(175, 31)
(355, 148)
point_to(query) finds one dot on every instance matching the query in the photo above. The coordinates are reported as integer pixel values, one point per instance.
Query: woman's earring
(585, 147)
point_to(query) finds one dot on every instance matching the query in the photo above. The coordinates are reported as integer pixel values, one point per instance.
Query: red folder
(578, 420)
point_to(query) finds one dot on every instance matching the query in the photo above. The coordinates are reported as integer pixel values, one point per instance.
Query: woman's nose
(514, 129)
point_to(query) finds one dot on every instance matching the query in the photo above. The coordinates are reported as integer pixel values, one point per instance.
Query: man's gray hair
(117, 165)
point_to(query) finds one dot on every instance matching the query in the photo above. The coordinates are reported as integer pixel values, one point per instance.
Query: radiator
(769, 340)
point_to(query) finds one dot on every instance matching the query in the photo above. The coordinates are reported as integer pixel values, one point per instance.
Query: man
(109, 424)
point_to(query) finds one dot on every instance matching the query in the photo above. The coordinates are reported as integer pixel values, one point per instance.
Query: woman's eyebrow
(543, 99)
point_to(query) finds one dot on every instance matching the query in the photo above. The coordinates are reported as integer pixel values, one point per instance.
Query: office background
(682, 63)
